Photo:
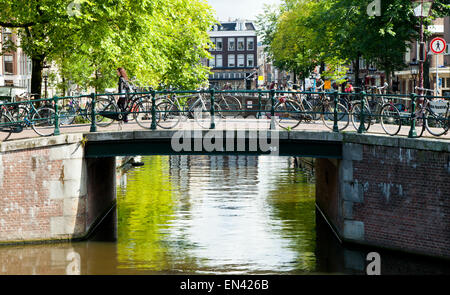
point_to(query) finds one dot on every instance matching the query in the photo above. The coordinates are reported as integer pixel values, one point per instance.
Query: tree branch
(12, 25)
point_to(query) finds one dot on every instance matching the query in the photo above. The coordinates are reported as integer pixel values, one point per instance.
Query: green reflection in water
(293, 203)
(144, 211)
(225, 226)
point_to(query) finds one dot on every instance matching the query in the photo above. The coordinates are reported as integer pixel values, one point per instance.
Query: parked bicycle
(172, 109)
(41, 120)
(378, 109)
(432, 115)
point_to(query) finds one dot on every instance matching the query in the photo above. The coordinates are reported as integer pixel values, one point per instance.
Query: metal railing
(285, 108)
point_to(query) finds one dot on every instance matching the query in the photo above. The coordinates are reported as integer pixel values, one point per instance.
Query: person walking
(123, 87)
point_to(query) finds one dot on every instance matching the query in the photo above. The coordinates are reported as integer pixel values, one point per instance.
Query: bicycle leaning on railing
(41, 119)
(431, 114)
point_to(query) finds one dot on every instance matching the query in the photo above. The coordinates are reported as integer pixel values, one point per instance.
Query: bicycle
(72, 109)
(289, 113)
(323, 108)
(107, 111)
(170, 110)
(41, 120)
(378, 107)
(436, 123)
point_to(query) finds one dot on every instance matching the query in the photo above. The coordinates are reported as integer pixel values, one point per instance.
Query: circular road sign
(438, 45)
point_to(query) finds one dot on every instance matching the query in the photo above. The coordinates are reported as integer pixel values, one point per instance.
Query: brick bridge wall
(388, 196)
(48, 191)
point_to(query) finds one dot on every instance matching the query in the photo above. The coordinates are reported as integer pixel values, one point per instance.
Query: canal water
(211, 215)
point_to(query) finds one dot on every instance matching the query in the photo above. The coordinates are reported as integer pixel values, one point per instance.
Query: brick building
(15, 66)
(440, 28)
(235, 57)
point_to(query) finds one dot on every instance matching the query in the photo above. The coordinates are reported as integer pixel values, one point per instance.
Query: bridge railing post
(93, 118)
(335, 115)
(212, 111)
(362, 117)
(57, 131)
(153, 125)
(412, 131)
(258, 114)
(272, 109)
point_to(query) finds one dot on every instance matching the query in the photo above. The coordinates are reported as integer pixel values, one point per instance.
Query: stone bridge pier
(389, 193)
(50, 191)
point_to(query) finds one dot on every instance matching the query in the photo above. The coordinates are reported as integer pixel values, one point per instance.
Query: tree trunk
(36, 75)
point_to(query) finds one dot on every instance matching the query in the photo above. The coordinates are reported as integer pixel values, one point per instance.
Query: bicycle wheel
(106, 111)
(309, 111)
(230, 106)
(19, 114)
(43, 121)
(5, 127)
(436, 124)
(167, 114)
(343, 118)
(356, 116)
(67, 115)
(143, 114)
(287, 114)
(202, 113)
(390, 119)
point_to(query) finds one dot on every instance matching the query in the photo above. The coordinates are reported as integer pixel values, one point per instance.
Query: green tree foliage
(305, 33)
(154, 40)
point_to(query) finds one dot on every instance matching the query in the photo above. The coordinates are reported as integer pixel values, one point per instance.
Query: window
(241, 61)
(212, 62)
(219, 61)
(7, 36)
(408, 55)
(8, 64)
(250, 44)
(219, 44)
(250, 60)
(231, 44)
(240, 44)
(213, 40)
(231, 61)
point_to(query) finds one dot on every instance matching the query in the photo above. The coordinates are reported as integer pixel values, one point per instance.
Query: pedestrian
(124, 87)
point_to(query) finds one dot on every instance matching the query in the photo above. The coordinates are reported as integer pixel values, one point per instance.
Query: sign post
(437, 46)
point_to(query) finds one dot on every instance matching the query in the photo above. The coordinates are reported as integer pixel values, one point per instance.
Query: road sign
(438, 45)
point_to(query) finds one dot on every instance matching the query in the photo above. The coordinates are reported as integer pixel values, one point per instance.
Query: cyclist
(124, 87)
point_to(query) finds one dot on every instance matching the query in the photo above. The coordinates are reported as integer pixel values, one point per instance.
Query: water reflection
(217, 215)
(211, 215)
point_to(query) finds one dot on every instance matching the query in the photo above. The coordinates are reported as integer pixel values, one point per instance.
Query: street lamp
(414, 69)
(45, 74)
(422, 9)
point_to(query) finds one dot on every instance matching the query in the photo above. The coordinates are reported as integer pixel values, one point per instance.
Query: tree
(155, 40)
(337, 32)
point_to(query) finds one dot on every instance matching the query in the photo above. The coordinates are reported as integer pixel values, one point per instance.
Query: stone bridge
(390, 192)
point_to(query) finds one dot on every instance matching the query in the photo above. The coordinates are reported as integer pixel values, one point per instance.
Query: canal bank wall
(50, 192)
(392, 194)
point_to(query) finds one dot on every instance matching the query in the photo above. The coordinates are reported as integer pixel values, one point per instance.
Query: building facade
(439, 65)
(234, 59)
(15, 66)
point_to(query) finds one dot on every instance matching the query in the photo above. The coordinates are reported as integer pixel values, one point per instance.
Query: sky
(245, 9)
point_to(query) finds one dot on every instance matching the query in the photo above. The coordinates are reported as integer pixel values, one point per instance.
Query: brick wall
(44, 190)
(406, 199)
(388, 196)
